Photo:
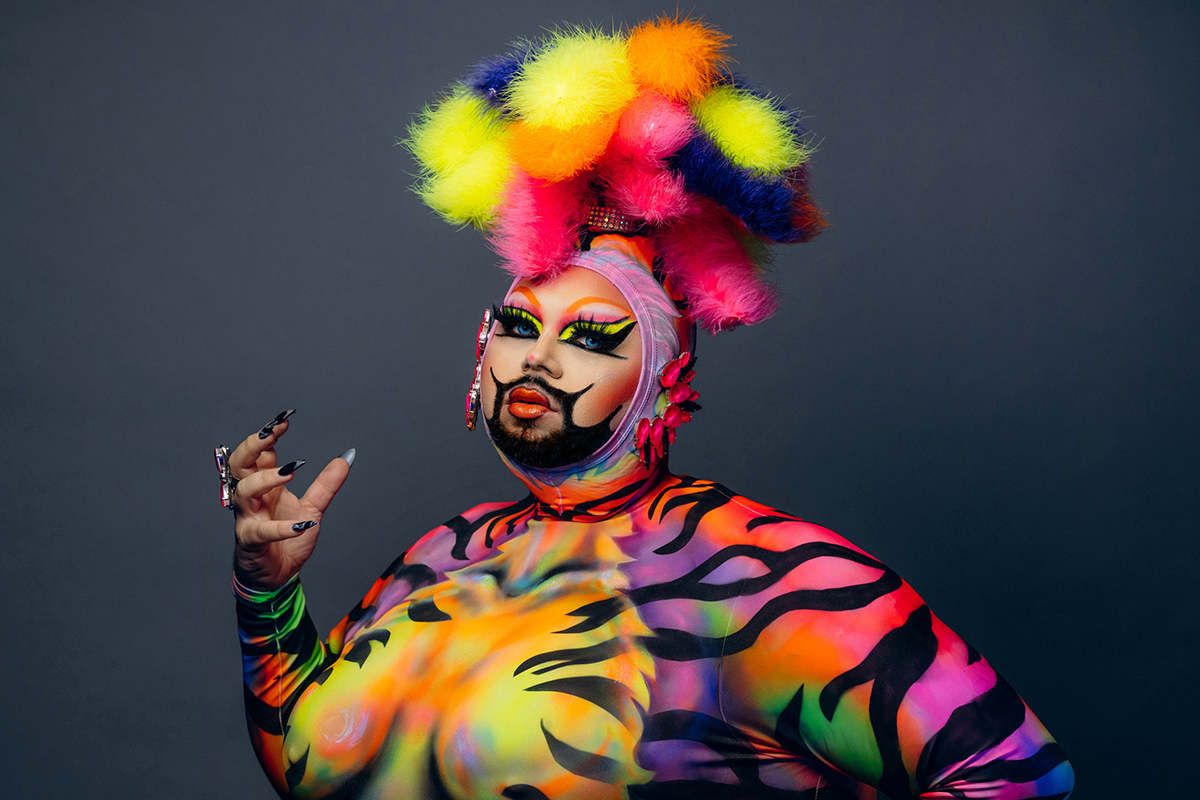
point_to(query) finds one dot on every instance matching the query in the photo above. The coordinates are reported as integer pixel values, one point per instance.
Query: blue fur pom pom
(763, 204)
(491, 76)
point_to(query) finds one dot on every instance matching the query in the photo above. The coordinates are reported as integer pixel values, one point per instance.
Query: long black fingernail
(291, 466)
(270, 426)
(303, 526)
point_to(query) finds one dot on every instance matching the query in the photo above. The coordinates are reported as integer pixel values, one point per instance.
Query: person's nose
(541, 357)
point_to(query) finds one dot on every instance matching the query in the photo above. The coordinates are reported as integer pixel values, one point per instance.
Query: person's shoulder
(471, 534)
(721, 517)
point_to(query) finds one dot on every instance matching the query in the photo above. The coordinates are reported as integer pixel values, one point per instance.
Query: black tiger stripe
(437, 786)
(778, 563)
(1025, 770)
(679, 483)
(716, 734)
(523, 791)
(612, 696)
(982, 723)
(702, 502)
(770, 519)
(571, 657)
(464, 529)
(676, 645)
(418, 575)
(426, 611)
(301, 641)
(897, 662)
(581, 762)
(589, 508)
(360, 613)
(295, 773)
(261, 714)
(513, 512)
(596, 614)
(361, 650)
(318, 676)
(787, 727)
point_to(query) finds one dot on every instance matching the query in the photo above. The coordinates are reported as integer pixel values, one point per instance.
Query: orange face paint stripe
(583, 301)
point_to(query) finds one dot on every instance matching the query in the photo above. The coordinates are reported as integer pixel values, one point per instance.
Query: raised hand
(275, 531)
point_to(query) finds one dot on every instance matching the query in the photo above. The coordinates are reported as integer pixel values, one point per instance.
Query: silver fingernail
(348, 456)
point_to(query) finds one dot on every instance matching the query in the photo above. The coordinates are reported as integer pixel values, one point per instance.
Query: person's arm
(283, 658)
(282, 655)
(855, 671)
(275, 532)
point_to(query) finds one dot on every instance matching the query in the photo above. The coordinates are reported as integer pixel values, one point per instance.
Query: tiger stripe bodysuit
(666, 638)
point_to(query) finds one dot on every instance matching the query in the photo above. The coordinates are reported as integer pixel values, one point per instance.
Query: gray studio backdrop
(984, 373)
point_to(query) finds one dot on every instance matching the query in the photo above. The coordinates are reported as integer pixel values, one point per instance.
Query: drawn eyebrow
(528, 294)
(583, 301)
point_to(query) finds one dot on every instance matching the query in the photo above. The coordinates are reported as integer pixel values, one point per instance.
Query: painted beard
(568, 445)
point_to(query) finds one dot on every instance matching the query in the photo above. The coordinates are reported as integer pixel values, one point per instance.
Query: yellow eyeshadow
(525, 316)
(591, 326)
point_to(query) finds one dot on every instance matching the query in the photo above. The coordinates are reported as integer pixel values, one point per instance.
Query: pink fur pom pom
(655, 194)
(635, 174)
(538, 226)
(702, 255)
(653, 127)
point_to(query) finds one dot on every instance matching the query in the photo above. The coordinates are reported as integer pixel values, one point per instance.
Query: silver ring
(228, 482)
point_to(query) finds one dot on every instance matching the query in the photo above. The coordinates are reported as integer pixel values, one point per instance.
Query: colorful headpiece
(642, 131)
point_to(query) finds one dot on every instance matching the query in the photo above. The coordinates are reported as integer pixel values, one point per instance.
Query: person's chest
(532, 668)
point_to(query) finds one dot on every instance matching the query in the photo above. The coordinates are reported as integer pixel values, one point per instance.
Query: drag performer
(620, 632)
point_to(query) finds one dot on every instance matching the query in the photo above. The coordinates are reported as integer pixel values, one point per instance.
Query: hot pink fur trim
(538, 225)
(702, 255)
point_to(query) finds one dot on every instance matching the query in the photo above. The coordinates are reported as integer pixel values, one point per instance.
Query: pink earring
(481, 338)
(655, 437)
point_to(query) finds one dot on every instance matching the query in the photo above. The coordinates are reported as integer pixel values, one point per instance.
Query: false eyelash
(508, 316)
(609, 339)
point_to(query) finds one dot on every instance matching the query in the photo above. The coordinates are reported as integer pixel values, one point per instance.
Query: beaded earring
(481, 338)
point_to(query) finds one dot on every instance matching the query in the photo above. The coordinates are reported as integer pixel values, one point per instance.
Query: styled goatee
(568, 445)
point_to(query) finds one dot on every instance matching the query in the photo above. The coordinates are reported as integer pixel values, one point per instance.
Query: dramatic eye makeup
(598, 336)
(517, 322)
(585, 332)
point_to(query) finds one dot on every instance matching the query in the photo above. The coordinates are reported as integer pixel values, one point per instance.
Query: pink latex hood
(625, 263)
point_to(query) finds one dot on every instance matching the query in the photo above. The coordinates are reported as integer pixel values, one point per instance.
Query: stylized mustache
(566, 400)
(568, 445)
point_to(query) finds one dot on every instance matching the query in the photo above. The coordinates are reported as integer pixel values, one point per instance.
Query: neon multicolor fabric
(626, 633)
(691, 643)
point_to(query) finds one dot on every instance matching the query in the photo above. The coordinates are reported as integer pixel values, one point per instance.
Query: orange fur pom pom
(555, 155)
(678, 58)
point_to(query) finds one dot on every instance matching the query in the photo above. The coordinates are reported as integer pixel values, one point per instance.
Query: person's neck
(595, 494)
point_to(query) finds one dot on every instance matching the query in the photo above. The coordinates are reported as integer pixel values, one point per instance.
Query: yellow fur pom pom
(449, 134)
(677, 58)
(470, 191)
(579, 76)
(555, 155)
(752, 131)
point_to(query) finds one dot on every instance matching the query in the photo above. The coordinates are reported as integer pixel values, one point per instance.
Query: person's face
(561, 369)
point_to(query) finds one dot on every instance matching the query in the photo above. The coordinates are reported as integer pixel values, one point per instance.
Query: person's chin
(531, 430)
